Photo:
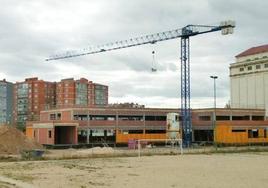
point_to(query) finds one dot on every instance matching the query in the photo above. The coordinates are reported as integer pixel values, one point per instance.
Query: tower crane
(226, 27)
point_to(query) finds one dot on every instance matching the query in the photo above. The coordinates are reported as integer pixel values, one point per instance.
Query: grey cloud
(32, 30)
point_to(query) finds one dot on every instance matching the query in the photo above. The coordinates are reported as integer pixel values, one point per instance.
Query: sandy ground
(202, 171)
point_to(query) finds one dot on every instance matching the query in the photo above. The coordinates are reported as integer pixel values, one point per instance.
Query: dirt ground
(202, 171)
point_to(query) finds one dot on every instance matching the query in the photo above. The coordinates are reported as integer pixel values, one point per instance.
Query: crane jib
(226, 27)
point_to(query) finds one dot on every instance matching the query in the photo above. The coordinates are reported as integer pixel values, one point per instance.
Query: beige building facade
(249, 79)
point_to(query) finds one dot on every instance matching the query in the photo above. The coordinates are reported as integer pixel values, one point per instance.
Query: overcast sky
(31, 30)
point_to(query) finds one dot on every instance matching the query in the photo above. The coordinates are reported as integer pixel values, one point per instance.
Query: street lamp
(214, 114)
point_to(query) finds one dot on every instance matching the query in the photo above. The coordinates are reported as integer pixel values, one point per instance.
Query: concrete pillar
(88, 124)
(88, 133)
(144, 124)
(116, 119)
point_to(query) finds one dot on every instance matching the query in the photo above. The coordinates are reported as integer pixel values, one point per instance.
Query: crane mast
(184, 33)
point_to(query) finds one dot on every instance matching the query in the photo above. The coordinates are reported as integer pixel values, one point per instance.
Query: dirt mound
(13, 141)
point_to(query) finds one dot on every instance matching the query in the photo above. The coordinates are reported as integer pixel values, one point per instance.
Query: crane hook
(153, 69)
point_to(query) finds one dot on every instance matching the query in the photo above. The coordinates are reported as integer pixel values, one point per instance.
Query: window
(222, 118)
(240, 118)
(238, 130)
(155, 131)
(204, 118)
(253, 133)
(58, 116)
(52, 116)
(155, 118)
(257, 118)
(266, 65)
(249, 67)
(258, 66)
(55, 116)
(135, 132)
(49, 134)
(241, 69)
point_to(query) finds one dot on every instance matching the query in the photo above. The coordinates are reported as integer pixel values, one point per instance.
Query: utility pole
(214, 114)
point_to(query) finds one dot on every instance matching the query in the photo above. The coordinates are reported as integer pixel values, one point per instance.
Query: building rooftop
(254, 50)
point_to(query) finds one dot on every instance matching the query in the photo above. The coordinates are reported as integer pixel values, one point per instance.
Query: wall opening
(64, 134)
(257, 118)
(222, 118)
(240, 118)
(238, 130)
(203, 135)
(204, 118)
(253, 133)
(155, 131)
(96, 136)
(135, 132)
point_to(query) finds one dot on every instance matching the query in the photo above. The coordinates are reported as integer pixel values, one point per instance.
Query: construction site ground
(246, 169)
(215, 170)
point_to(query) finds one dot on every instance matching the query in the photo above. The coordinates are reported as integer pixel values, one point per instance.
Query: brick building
(118, 125)
(81, 92)
(33, 95)
(30, 97)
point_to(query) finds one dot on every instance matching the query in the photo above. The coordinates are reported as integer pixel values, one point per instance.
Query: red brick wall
(42, 135)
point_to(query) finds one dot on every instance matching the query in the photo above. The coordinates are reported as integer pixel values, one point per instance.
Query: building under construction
(118, 125)
(244, 122)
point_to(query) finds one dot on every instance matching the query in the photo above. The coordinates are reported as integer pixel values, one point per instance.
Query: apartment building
(100, 95)
(6, 102)
(30, 97)
(249, 79)
(80, 92)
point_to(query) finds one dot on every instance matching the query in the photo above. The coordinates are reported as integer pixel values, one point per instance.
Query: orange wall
(225, 135)
(29, 132)
(123, 138)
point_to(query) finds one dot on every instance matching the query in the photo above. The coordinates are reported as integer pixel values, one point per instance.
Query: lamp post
(214, 114)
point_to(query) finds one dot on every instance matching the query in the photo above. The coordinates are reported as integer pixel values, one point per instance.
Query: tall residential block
(100, 95)
(80, 92)
(32, 96)
(6, 102)
(249, 79)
